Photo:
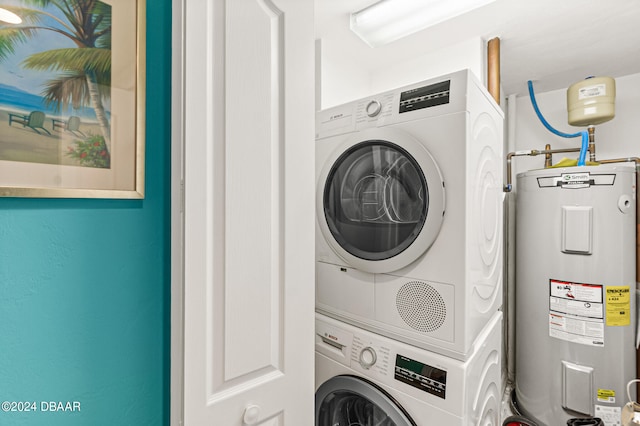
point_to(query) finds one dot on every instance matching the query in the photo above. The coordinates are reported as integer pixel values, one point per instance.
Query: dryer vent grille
(421, 306)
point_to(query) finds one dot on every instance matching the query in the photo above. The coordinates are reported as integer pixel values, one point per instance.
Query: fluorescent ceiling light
(389, 20)
(9, 17)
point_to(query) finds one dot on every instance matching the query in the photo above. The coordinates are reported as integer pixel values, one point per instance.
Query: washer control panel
(421, 376)
(373, 108)
(371, 355)
(368, 357)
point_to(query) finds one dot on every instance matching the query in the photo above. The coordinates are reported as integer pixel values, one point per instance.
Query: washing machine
(409, 213)
(367, 379)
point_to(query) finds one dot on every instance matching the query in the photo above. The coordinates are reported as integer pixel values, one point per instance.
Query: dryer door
(381, 201)
(349, 400)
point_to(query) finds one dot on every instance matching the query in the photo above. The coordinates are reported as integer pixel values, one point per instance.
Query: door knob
(251, 414)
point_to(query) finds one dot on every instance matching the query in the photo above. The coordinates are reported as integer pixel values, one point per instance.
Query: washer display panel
(354, 401)
(376, 200)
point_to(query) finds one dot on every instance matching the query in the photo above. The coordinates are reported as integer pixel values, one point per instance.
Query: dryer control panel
(425, 96)
(374, 110)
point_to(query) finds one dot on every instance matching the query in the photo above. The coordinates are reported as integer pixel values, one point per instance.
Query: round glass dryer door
(353, 401)
(382, 203)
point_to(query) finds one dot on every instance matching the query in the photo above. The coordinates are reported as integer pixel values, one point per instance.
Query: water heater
(575, 292)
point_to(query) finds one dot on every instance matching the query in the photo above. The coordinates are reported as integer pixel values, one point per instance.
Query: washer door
(381, 201)
(354, 401)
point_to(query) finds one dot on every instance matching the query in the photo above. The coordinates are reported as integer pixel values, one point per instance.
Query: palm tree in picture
(84, 71)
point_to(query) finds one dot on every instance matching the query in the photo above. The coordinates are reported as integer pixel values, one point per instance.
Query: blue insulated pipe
(584, 133)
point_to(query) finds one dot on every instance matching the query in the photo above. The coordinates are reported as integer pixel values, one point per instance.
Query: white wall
(338, 79)
(617, 138)
(468, 54)
(344, 79)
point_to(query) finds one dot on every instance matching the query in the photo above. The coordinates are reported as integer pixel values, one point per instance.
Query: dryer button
(368, 357)
(373, 108)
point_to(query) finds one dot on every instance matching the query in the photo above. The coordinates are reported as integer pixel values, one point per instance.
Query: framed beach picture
(72, 91)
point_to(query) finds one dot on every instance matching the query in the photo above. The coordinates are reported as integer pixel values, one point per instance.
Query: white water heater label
(576, 312)
(592, 91)
(610, 416)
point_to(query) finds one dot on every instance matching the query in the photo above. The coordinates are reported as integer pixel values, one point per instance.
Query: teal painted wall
(85, 286)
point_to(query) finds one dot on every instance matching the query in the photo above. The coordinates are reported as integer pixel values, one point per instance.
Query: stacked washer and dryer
(409, 257)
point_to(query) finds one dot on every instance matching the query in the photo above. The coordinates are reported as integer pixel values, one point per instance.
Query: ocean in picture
(17, 100)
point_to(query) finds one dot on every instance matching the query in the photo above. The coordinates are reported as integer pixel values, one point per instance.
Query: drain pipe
(509, 256)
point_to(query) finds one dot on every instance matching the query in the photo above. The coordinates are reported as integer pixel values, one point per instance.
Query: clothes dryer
(364, 379)
(409, 213)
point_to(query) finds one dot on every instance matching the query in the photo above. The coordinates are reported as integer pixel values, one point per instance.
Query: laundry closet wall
(85, 287)
(341, 79)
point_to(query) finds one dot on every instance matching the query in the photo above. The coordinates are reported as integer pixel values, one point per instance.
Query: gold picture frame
(85, 135)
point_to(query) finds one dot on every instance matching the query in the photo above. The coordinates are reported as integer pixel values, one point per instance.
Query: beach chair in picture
(34, 121)
(71, 125)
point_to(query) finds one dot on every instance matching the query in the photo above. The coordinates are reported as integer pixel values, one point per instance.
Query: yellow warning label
(618, 299)
(606, 395)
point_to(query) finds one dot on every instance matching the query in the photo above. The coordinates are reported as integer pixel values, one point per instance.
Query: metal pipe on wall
(510, 257)
(532, 153)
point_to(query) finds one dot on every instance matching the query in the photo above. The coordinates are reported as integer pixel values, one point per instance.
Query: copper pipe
(493, 71)
(547, 157)
(592, 143)
(621, 160)
(532, 153)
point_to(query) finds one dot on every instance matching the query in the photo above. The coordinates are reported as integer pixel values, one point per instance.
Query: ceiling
(552, 42)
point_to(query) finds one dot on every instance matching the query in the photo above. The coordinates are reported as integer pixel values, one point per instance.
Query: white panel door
(249, 212)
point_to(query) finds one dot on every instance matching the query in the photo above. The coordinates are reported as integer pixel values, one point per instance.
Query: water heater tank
(591, 101)
(575, 292)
